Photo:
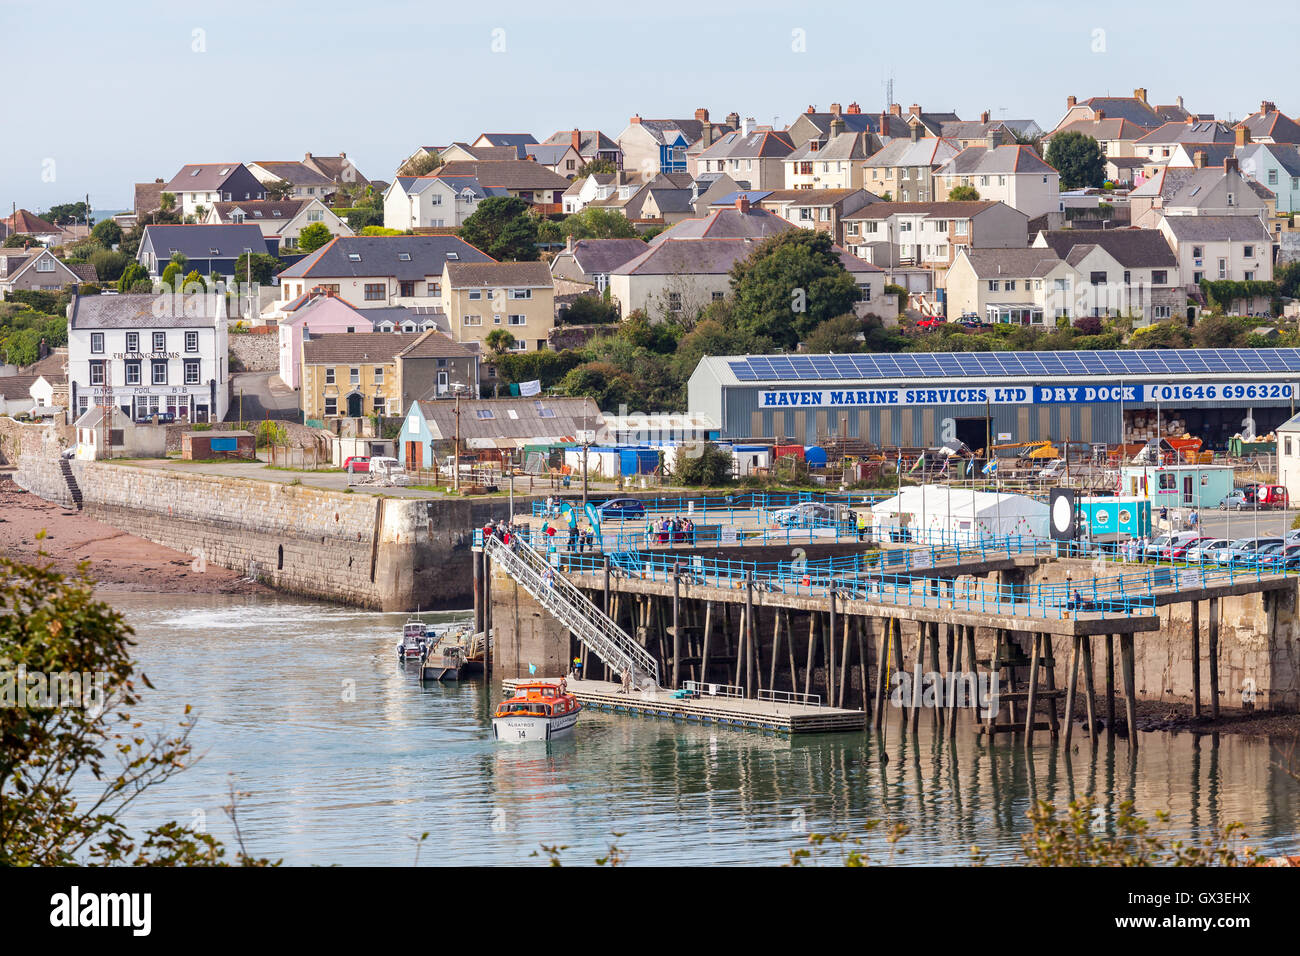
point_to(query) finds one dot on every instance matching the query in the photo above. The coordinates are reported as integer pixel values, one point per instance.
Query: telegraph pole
(455, 460)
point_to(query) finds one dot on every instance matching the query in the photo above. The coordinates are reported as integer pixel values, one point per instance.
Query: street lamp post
(455, 454)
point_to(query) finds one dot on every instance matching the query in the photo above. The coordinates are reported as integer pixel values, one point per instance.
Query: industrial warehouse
(921, 399)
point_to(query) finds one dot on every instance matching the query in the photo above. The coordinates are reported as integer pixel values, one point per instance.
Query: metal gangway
(597, 632)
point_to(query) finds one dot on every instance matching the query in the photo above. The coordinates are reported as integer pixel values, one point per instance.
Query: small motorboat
(414, 642)
(539, 710)
(444, 659)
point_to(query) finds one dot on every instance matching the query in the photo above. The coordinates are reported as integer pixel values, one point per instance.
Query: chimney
(1267, 107)
(916, 132)
(984, 117)
(733, 120)
(1199, 159)
(702, 115)
(836, 109)
(1230, 165)
(1191, 120)
(854, 109)
(744, 126)
(914, 110)
(568, 243)
(896, 109)
(636, 119)
(1071, 102)
(1099, 115)
(742, 203)
(577, 139)
(1243, 136)
(306, 157)
(837, 127)
(811, 108)
(1140, 94)
(996, 138)
(1179, 101)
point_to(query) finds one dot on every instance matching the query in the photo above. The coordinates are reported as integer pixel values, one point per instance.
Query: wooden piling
(1196, 659)
(708, 632)
(1130, 688)
(1213, 652)
(1089, 688)
(1071, 685)
(1037, 642)
(677, 630)
(1110, 685)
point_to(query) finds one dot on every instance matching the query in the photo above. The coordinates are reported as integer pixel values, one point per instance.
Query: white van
(1054, 469)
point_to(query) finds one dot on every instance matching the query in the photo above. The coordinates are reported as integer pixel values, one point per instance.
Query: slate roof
(1012, 263)
(1126, 107)
(508, 139)
(332, 167)
(17, 386)
(860, 123)
(939, 210)
(269, 209)
(294, 172)
(979, 160)
(508, 174)
(1102, 130)
(672, 200)
(1274, 125)
(1135, 248)
(196, 241)
(845, 146)
(495, 275)
(710, 257)
(201, 177)
(605, 255)
(727, 223)
(547, 154)
(148, 197)
(434, 344)
(755, 145)
(927, 151)
(493, 153)
(379, 256)
(1216, 228)
(131, 311)
(808, 197)
(590, 141)
(1184, 132)
(341, 348)
(1287, 154)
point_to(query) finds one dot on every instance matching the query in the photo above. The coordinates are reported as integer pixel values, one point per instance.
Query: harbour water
(342, 757)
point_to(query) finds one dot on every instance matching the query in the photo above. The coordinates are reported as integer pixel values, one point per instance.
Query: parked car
(1168, 547)
(929, 322)
(1178, 549)
(69, 452)
(357, 463)
(1272, 496)
(1283, 558)
(164, 418)
(1203, 550)
(1242, 552)
(622, 509)
(806, 514)
(1054, 469)
(1236, 500)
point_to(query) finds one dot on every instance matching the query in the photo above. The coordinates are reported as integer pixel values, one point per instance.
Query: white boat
(539, 710)
(414, 642)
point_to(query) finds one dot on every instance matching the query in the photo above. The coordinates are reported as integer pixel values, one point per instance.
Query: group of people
(666, 530)
(1176, 517)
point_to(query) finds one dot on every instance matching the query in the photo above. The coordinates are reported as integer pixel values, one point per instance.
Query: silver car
(1204, 551)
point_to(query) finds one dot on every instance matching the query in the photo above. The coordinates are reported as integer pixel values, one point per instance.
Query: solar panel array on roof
(814, 368)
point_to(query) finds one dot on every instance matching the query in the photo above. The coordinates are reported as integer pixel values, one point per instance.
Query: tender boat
(414, 642)
(539, 710)
(444, 659)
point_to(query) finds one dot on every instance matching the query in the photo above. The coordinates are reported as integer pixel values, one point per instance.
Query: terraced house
(518, 297)
(348, 375)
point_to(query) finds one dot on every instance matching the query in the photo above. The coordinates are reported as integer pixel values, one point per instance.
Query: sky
(124, 93)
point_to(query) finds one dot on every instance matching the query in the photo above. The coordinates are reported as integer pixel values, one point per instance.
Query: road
(255, 394)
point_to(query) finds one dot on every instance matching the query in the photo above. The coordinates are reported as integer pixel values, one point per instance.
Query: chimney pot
(854, 109)
(1140, 94)
(733, 120)
(984, 117)
(702, 115)
(896, 109)
(1179, 101)
(914, 110)
(576, 138)
(1267, 107)
(1230, 164)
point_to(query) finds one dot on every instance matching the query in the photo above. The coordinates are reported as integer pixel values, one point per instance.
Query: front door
(355, 402)
(414, 456)
(442, 383)
(1187, 489)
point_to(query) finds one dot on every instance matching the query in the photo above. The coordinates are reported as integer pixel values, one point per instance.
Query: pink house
(318, 313)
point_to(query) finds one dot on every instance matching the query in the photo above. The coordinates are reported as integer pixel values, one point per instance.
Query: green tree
(710, 467)
(313, 236)
(133, 273)
(171, 274)
(421, 165)
(167, 202)
(597, 167)
(589, 310)
(1079, 160)
(280, 189)
(264, 268)
(17, 240)
(193, 279)
(595, 222)
(503, 227)
(68, 773)
(606, 384)
(840, 334)
(789, 285)
(549, 232)
(107, 233)
(500, 341)
(66, 213)
(963, 194)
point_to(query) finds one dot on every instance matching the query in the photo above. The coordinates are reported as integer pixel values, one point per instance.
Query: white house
(419, 202)
(149, 354)
(284, 219)
(1015, 175)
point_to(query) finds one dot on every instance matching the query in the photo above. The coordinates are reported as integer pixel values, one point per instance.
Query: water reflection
(346, 758)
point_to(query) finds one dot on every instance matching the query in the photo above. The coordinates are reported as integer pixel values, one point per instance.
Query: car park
(1178, 549)
(1243, 551)
(1204, 549)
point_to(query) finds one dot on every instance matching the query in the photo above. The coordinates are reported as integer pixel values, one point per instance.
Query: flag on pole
(970, 467)
(529, 389)
(919, 462)
(990, 468)
(532, 669)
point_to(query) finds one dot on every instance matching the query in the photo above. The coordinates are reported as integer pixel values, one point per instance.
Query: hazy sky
(108, 94)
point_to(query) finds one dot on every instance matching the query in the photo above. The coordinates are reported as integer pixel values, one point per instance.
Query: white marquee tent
(938, 514)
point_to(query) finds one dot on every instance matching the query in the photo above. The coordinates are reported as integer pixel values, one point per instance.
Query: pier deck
(734, 712)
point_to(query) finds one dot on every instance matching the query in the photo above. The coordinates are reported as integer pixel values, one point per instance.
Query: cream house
(518, 297)
(424, 202)
(1015, 175)
(282, 218)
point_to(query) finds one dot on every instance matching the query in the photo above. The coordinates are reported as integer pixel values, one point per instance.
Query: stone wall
(253, 352)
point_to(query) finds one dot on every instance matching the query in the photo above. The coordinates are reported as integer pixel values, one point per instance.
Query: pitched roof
(859, 123)
(493, 153)
(845, 146)
(927, 151)
(138, 310)
(548, 154)
(710, 257)
(1126, 107)
(508, 174)
(980, 160)
(1135, 248)
(727, 223)
(261, 209)
(17, 386)
(338, 169)
(1102, 130)
(198, 241)
(938, 210)
(434, 344)
(1216, 228)
(590, 141)
(508, 139)
(811, 197)
(85, 271)
(1287, 154)
(296, 173)
(30, 224)
(1012, 263)
(202, 177)
(148, 197)
(345, 347)
(1272, 124)
(399, 257)
(755, 145)
(596, 256)
(1184, 132)
(493, 275)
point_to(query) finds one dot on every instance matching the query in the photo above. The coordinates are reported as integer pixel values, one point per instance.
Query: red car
(1178, 552)
(357, 463)
(929, 322)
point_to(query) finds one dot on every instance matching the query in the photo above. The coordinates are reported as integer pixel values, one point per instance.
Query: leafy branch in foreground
(70, 769)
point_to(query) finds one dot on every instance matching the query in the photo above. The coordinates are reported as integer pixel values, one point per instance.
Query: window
(379, 375)
(1127, 278)
(474, 294)
(993, 285)
(159, 372)
(1160, 312)
(1223, 268)
(1061, 285)
(471, 320)
(133, 341)
(406, 289)
(1097, 278)
(191, 341)
(1248, 252)
(329, 376)
(521, 293)
(97, 343)
(674, 302)
(1159, 277)
(717, 296)
(403, 257)
(45, 264)
(191, 371)
(1198, 252)
(485, 413)
(160, 341)
(1250, 276)
(963, 226)
(1011, 285)
(517, 319)
(1197, 278)
(543, 411)
(97, 373)
(331, 407)
(354, 257)
(568, 164)
(133, 373)
(374, 291)
(354, 376)
(1272, 177)
(1287, 443)
(435, 288)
